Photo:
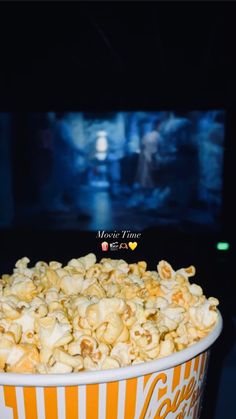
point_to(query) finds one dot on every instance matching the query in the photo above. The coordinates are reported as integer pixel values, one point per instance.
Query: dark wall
(118, 54)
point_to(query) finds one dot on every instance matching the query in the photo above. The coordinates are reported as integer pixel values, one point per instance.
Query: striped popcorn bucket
(170, 387)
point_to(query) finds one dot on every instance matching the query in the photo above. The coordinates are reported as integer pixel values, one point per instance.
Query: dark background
(107, 56)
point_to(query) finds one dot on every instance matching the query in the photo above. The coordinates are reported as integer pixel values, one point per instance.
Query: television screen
(112, 170)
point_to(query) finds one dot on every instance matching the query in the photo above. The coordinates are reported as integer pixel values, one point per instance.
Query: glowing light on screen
(101, 145)
(222, 246)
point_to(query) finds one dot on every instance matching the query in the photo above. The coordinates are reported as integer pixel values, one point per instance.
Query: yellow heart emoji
(133, 245)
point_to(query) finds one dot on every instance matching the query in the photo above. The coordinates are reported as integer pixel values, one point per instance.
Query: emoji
(123, 246)
(104, 246)
(114, 246)
(133, 245)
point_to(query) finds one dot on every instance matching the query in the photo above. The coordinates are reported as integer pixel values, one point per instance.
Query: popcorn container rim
(115, 374)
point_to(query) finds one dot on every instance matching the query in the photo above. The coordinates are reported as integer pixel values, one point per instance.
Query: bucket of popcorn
(104, 340)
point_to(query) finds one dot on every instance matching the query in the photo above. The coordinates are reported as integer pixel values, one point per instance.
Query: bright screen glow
(113, 170)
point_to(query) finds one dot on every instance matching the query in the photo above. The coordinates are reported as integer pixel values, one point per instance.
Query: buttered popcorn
(91, 315)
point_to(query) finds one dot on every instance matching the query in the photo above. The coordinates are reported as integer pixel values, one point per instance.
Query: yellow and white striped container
(170, 387)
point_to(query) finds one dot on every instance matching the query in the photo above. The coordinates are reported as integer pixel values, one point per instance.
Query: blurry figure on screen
(114, 169)
(179, 162)
(129, 163)
(144, 175)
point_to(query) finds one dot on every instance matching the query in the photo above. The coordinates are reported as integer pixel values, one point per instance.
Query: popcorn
(22, 286)
(112, 329)
(7, 342)
(16, 330)
(71, 284)
(52, 278)
(22, 358)
(123, 352)
(52, 333)
(107, 363)
(167, 347)
(119, 266)
(83, 263)
(204, 316)
(90, 315)
(95, 290)
(64, 358)
(96, 313)
(85, 345)
(146, 337)
(165, 270)
(59, 368)
(26, 321)
(195, 290)
(21, 267)
(9, 309)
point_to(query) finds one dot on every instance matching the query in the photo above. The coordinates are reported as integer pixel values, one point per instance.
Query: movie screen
(112, 170)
